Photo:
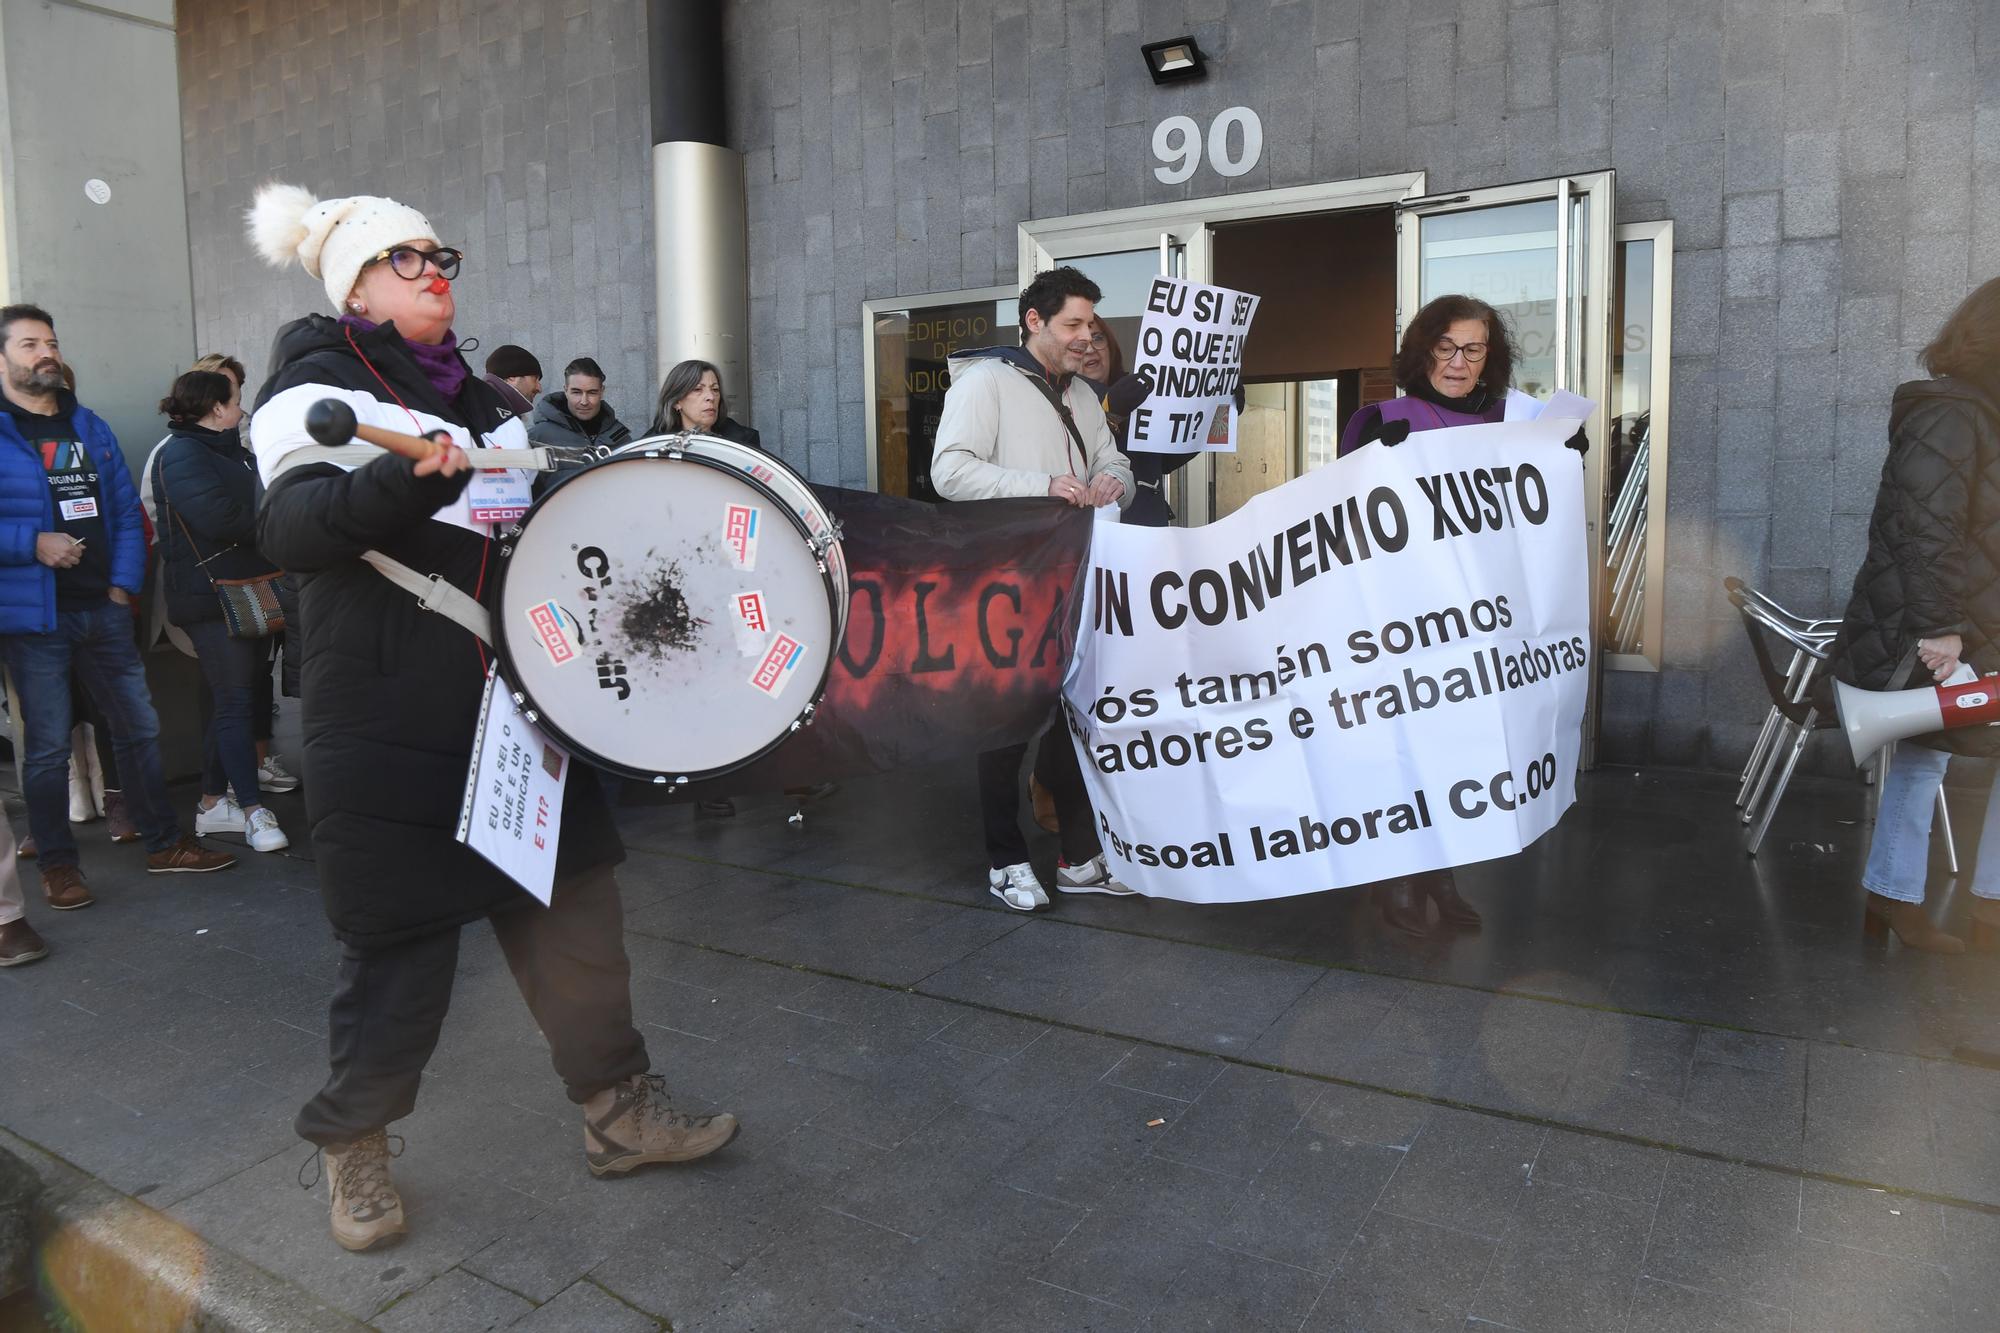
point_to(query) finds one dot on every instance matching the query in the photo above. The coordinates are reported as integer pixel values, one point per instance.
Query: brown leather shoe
(118, 818)
(20, 944)
(1441, 887)
(26, 851)
(187, 857)
(65, 888)
(1401, 908)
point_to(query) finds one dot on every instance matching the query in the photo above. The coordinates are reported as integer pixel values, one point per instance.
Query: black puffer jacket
(392, 691)
(1933, 562)
(205, 492)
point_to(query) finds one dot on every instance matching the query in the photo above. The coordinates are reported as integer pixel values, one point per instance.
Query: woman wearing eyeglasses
(1454, 367)
(391, 702)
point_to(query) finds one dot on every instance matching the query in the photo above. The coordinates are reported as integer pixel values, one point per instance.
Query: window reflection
(912, 347)
(1628, 456)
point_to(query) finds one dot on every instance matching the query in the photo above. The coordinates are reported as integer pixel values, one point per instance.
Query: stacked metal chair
(1800, 705)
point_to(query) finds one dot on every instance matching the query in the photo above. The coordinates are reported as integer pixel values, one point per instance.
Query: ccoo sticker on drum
(753, 622)
(556, 630)
(780, 663)
(739, 533)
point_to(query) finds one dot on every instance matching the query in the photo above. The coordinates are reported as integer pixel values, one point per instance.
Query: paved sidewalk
(1667, 1087)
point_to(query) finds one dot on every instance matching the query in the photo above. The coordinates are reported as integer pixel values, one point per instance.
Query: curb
(104, 1260)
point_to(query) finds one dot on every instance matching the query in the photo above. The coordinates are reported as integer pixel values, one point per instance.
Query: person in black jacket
(576, 415)
(1118, 393)
(205, 492)
(391, 702)
(691, 399)
(1927, 598)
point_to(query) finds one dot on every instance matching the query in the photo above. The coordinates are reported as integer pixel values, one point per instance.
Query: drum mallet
(330, 422)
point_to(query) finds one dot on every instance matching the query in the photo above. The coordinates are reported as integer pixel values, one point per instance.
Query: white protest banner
(512, 813)
(1376, 669)
(1191, 347)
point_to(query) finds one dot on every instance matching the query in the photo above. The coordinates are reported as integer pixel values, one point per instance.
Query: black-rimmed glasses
(407, 261)
(1445, 349)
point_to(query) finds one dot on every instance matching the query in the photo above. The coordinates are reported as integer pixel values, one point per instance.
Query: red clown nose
(438, 287)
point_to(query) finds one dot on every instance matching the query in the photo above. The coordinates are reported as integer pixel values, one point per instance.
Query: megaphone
(1875, 718)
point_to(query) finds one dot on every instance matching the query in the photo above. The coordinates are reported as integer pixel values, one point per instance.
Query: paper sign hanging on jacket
(1376, 669)
(1191, 347)
(512, 813)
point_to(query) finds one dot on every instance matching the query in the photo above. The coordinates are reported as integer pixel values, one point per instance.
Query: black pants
(568, 960)
(1000, 799)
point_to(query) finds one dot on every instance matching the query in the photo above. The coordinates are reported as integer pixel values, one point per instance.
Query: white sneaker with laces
(263, 833)
(1093, 876)
(274, 776)
(1017, 887)
(225, 816)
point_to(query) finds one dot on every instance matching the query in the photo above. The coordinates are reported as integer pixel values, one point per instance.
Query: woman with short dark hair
(1926, 599)
(205, 492)
(1454, 368)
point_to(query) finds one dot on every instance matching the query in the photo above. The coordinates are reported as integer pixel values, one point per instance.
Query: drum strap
(434, 593)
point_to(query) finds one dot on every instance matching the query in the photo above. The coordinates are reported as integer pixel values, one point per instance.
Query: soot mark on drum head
(657, 619)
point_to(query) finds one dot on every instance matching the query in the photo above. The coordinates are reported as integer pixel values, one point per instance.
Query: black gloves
(1126, 394)
(1579, 442)
(1391, 433)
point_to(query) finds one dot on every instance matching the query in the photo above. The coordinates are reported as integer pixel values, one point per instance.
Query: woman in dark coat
(1454, 368)
(1119, 393)
(205, 493)
(391, 702)
(1927, 599)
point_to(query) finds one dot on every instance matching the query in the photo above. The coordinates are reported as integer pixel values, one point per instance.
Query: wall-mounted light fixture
(1173, 61)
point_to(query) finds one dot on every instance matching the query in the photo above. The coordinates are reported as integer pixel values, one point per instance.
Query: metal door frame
(1583, 338)
(1186, 224)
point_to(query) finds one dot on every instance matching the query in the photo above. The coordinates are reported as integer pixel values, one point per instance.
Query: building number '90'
(1177, 142)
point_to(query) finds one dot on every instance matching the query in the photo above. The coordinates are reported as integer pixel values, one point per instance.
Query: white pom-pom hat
(331, 238)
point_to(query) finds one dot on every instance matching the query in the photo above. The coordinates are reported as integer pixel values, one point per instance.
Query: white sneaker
(263, 833)
(1017, 887)
(225, 816)
(1093, 876)
(274, 776)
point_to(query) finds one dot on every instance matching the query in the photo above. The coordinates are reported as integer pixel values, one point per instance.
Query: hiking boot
(632, 1123)
(365, 1207)
(1016, 886)
(20, 944)
(1093, 876)
(187, 857)
(118, 818)
(65, 888)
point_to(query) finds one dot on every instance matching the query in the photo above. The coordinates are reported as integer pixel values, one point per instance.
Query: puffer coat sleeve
(1933, 562)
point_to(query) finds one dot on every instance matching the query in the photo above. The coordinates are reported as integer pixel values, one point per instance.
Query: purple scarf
(440, 362)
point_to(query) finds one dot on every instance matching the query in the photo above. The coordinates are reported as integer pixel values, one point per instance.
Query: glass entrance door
(1541, 253)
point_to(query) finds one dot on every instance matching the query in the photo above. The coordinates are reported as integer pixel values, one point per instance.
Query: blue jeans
(229, 743)
(1900, 852)
(101, 646)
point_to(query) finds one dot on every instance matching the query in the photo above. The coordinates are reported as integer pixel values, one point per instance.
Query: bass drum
(790, 487)
(669, 613)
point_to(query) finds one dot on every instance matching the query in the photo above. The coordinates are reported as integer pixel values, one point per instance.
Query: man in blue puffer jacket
(72, 559)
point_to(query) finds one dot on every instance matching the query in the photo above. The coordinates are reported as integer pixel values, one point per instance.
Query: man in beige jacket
(1018, 421)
